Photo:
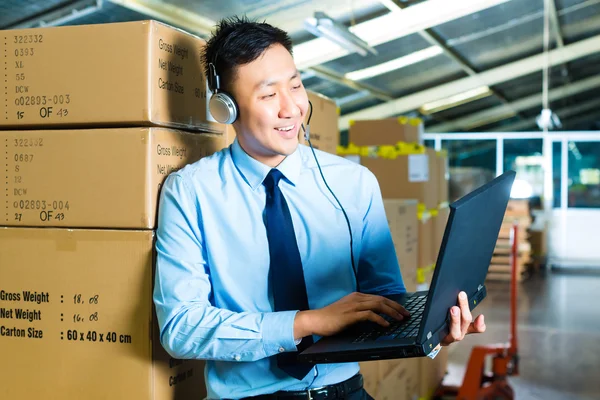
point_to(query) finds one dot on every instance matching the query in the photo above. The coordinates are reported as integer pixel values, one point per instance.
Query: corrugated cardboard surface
(439, 227)
(402, 382)
(443, 178)
(426, 240)
(392, 379)
(134, 73)
(402, 178)
(324, 131)
(91, 334)
(432, 373)
(402, 219)
(387, 131)
(99, 178)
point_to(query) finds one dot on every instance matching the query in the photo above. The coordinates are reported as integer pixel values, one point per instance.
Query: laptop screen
(467, 248)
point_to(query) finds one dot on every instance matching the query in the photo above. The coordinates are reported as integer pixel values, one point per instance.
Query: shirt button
(281, 349)
(237, 357)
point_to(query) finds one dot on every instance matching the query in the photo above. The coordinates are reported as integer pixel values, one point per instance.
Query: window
(556, 172)
(525, 157)
(472, 164)
(584, 174)
(429, 143)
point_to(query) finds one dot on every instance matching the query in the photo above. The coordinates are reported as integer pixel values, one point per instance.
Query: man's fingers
(380, 307)
(369, 298)
(478, 326)
(401, 310)
(455, 331)
(466, 317)
(371, 316)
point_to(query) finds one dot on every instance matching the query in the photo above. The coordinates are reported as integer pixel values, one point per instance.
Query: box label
(79, 315)
(418, 168)
(22, 155)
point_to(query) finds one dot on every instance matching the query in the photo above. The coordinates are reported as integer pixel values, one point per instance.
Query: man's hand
(347, 311)
(461, 322)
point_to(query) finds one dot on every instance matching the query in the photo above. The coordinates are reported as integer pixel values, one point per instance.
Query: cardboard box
(432, 373)
(443, 177)
(392, 379)
(426, 241)
(128, 74)
(406, 177)
(371, 376)
(96, 178)
(324, 131)
(387, 131)
(402, 219)
(402, 383)
(90, 332)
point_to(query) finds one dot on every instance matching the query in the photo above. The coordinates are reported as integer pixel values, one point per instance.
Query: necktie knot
(272, 179)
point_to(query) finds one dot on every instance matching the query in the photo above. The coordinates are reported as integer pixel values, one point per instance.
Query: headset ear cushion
(223, 108)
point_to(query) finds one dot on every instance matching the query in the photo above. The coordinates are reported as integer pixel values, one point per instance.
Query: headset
(307, 138)
(222, 105)
(224, 109)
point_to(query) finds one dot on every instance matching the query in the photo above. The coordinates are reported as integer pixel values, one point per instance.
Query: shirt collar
(254, 172)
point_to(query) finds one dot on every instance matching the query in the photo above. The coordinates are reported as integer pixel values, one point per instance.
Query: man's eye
(269, 96)
(296, 87)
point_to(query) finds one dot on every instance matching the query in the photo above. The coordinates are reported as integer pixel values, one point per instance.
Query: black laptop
(462, 265)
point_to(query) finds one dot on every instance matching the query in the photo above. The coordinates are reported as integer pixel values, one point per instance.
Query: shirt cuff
(278, 332)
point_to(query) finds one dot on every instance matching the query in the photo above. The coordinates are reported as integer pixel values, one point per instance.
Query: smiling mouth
(285, 128)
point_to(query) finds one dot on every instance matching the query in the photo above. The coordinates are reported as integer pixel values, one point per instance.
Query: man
(234, 227)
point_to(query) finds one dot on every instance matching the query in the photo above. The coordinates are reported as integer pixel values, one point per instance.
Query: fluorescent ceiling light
(456, 100)
(391, 26)
(324, 26)
(398, 63)
(390, 5)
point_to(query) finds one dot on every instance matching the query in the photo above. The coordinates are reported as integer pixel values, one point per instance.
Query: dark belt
(337, 391)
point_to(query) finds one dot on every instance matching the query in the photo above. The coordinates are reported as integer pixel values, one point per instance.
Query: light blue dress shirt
(212, 292)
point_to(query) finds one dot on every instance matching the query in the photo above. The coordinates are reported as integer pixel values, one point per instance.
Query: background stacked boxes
(517, 212)
(414, 184)
(86, 149)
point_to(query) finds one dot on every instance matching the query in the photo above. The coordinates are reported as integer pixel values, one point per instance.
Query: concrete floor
(558, 333)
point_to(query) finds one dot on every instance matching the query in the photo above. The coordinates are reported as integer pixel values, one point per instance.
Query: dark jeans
(359, 395)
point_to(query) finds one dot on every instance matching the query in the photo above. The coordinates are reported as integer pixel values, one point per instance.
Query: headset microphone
(307, 137)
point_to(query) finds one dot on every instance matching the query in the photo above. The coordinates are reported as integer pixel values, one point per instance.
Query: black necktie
(285, 269)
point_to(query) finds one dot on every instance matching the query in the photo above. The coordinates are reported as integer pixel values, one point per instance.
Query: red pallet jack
(477, 383)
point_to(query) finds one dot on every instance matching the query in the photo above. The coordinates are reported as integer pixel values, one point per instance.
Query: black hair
(238, 41)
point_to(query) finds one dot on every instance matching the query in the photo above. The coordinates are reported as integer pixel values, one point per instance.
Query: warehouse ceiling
(485, 55)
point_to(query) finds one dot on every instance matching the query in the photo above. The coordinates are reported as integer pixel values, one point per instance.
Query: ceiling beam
(490, 77)
(330, 75)
(590, 117)
(563, 114)
(58, 15)
(554, 19)
(401, 24)
(175, 15)
(499, 113)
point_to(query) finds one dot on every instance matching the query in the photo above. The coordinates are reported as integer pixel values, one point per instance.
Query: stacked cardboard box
(398, 379)
(392, 150)
(402, 219)
(386, 131)
(76, 313)
(517, 212)
(324, 131)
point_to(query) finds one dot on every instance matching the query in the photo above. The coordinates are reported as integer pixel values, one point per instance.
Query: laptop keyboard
(407, 328)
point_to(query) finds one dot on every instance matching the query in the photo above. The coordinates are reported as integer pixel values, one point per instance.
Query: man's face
(272, 103)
